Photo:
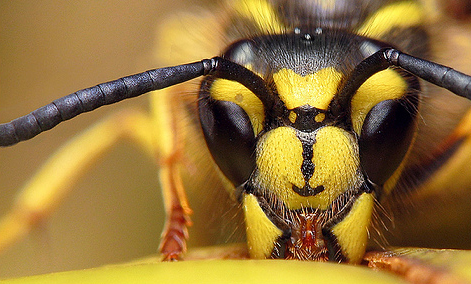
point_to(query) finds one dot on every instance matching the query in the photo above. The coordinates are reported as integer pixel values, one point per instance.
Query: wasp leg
(44, 192)
(448, 163)
(175, 234)
(166, 113)
(417, 265)
(438, 195)
(169, 118)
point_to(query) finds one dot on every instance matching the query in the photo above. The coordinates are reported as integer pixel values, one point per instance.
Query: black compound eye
(385, 138)
(230, 138)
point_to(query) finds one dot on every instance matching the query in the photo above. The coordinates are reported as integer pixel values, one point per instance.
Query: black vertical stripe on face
(307, 166)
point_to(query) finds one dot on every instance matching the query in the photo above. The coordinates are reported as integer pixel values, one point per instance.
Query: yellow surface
(219, 271)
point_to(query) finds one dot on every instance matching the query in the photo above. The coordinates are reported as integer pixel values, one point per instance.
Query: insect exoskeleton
(310, 113)
(308, 161)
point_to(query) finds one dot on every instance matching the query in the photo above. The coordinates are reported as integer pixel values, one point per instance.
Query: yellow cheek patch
(227, 90)
(352, 231)
(316, 90)
(261, 232)
(261, 13)
(280, 157)
(279, 160)
(397, 15)
(336, 161)
(384, 85)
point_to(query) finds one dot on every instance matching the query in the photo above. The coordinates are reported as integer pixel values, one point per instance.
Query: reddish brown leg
(175, 234)
(167, 115)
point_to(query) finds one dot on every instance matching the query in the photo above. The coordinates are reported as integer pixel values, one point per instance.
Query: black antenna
(46, 117)
(440, 75)
(437, 74)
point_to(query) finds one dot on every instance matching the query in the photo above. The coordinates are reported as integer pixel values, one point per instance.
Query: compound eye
(385, 138)
(230, 138)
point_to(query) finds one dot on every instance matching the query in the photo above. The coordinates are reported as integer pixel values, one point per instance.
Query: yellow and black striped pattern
(314, 173)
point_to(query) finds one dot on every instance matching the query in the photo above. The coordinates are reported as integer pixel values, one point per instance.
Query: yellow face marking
(279, 160)
(352, 231)
(261, 232)
(292, 116)
(316, 90)
(320, 117)
(261, 13)
(227, 90)
(384, 85)
(397, 15)
(336, 161)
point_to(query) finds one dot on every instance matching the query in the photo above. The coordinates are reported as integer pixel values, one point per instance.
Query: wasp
(309, 110)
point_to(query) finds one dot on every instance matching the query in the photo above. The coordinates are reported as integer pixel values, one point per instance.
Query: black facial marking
(307, 167)
(306, 118)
